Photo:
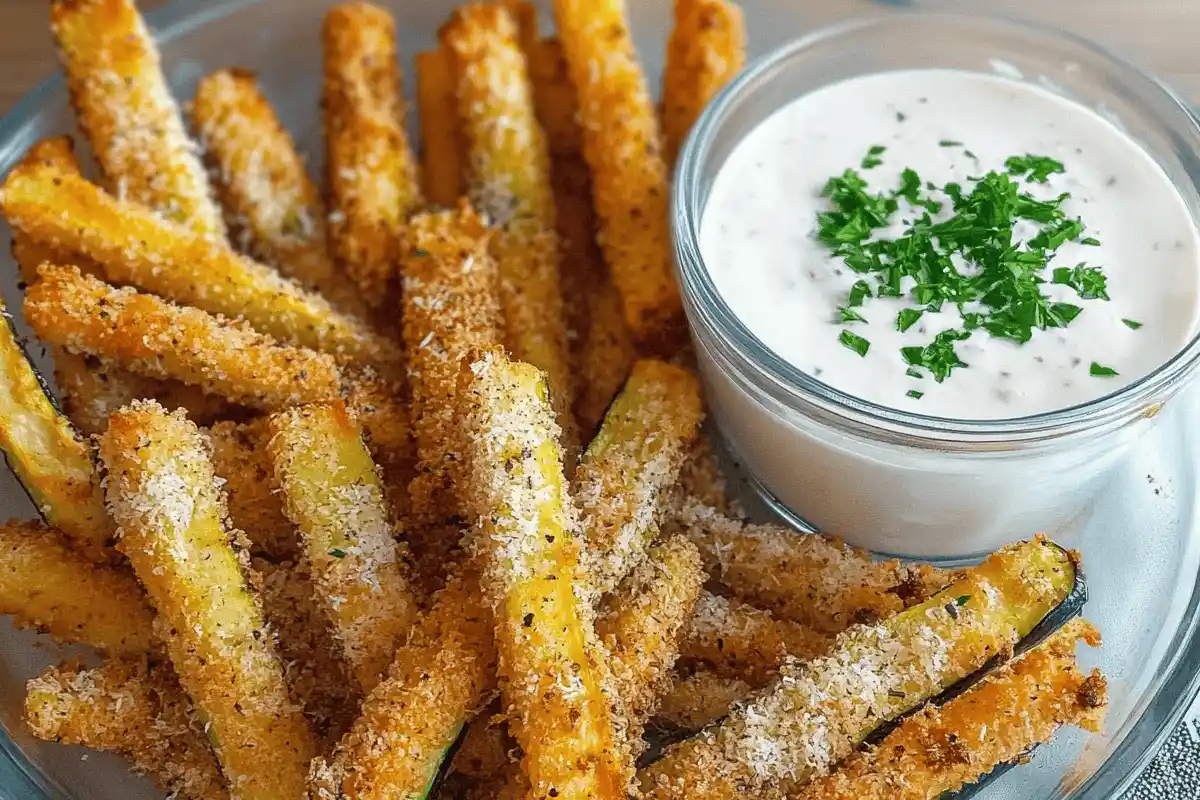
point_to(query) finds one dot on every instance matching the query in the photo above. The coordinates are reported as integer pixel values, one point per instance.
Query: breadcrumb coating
(443, 166)
(631, 463)
(334, 496)
(370, 170)
(48, 586)
(554, 97)
(551, 668)
(706, 49)
(137, 248)
(621, 142)
(152, 337)
(699, 699)
(132, 709)
(272, 207)
(241, 460)
(170, 512)
(382, 411)
(125, 108)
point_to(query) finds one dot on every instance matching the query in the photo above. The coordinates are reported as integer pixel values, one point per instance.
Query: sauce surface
(759, 245)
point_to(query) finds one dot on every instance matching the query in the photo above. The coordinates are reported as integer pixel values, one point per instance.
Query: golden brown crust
(706, 49)
(554, 97)
(443, 166)
(371, 171)
(152, 337)
(629, 179)
(699, 699)
(241, 459)
(272, 207)
(122, 102)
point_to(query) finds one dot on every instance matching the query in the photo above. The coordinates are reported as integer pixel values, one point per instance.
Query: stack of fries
(481, 553)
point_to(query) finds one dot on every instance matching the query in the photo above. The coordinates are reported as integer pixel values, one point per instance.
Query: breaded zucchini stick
(706, 49)
(49, 458)
(272, 207)
(814, 580)
(241, 459)
(486, 751)
(371, 172)
(697, 700)
(165, 499)
(622, 145)
(741, 641)
(817, 712)
(122, 103)
(630, 464)
(136, 711)
(153, 337)
(335, 498)
(437, 681)
(942, 749)
(137, 248)
(701, 481)
(451, 307)
(44, 584)
(387, 430)
(508, 177)
(442, 165)
(552, 677)
(554, 97)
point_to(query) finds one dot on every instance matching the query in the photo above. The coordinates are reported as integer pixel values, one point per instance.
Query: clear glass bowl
(1141, 542)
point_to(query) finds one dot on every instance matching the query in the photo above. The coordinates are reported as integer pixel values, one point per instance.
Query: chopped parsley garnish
(855, 342)
(336, 553)
(915, 395)
(1102, 371)
(970, 258)
(912, 373)
(1131, 324)
(963, 600)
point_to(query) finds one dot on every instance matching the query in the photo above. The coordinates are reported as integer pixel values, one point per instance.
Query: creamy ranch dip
(758, 240)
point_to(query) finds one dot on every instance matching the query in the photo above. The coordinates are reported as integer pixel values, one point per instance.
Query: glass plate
(1141, 541)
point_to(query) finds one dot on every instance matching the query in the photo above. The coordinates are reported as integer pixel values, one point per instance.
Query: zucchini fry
(137, 248)
(371, 172)
(46, 585)
(123, 104)
(555, 98)
(333, 495)
(49, 458)
(164, 497)
(629, 178)
(387, 431)
(819, 711)
(152, 337)
(509, 182)
(552, 678)
(437, 681)
(706, 49)
(442, 167)
(241, 460)
(630, 464)
(136, 711)
(814, 580)
(701, 481)
(943, 749)
(741, 641)
(272, 207)
(697, 700)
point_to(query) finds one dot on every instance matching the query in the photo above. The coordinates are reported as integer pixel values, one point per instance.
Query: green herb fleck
(915, 395)
(963, 600)
(336, 553)
(419, 253)
(896, 693)
(1090, 241)
(907, 318)
(1132, 324)
(847, 314)
(855, 342)
(859, 292)
(949, 143)
(1102, 371)
(872, 158)
(912, 373)
(1036, 169)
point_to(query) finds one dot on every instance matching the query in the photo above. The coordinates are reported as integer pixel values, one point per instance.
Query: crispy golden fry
(629, 179)
(371, 172)
(817, 712)
(123, 104)
(941, 750)
(741, 641)
(699, 699)
(554, 97)
(701, 480)
(166, 501)
(641, 625)
(706, 49)
(525, 15)
(241, 459)
(335, 498)
(814, 580)
(137, 248)
(442, 163)
(49, 458)
(152, 337)
(437, 681)
(509, 182)
(630, 464)
(387, 430)
(450, 308)
(552, 678)
(46, 585)
(137, 711)
(608, 355)
(272, 207)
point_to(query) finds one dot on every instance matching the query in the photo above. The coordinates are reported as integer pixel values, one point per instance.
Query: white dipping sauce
(917, 496)
(758, 241)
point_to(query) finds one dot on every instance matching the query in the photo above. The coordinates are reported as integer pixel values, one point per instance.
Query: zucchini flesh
(818, 712)
(51, 460)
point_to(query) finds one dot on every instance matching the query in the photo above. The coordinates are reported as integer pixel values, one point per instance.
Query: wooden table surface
(1162, 35)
